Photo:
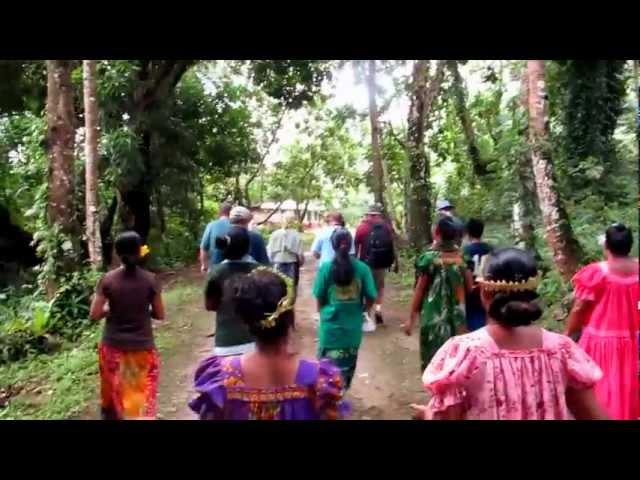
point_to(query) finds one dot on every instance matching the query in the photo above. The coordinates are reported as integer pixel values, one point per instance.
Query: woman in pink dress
(606, 311)
(510, 369)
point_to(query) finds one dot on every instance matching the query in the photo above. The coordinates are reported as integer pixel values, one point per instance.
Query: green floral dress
(443, 310)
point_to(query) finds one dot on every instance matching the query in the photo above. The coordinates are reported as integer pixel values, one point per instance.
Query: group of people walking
(481, 354)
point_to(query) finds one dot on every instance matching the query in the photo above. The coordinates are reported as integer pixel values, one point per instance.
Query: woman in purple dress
(269, 383)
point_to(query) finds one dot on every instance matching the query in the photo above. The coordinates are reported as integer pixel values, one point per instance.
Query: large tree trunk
(422, 96)
(376, 156)
(157, 80)
(524, 210)
(91, 168)
(60, 143)
(558, 232)
(460, 102)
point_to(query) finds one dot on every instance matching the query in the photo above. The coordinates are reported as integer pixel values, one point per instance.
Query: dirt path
(387, 378)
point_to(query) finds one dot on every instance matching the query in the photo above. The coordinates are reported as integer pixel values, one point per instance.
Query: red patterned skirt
(128, 383)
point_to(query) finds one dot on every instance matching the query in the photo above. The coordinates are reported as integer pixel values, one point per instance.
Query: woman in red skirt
(128, 297)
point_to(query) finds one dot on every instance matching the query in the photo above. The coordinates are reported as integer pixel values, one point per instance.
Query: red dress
(610, 336)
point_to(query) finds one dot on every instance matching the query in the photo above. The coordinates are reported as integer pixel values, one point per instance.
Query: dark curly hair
(515, 308)
(235, 244)
(256, 297)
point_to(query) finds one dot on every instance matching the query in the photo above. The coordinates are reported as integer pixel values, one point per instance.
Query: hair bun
(518, 312)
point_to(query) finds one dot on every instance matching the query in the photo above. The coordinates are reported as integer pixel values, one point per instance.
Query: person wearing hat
(445, 208)
(241, 216)
(374, 246)
(209, 254)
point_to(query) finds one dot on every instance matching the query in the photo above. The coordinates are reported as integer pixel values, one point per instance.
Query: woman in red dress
(606, 311)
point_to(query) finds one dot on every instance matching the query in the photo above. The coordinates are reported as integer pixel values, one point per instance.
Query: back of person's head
(509, 286)
(342, 270)
(127, 247)
(447, 229)
(235, 244)
(334, 218)
(618, 240)
(225, 209)
(475, 228)
(264, 300)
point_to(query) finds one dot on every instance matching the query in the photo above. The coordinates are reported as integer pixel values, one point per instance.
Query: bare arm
(204, 260)
(584, 405)
(577, 317)
(99, 307)
(157, 307)
(416, 303)
(468, 280)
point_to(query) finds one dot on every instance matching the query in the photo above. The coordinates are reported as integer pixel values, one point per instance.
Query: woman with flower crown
(128, 297)
(268, 383)
(511, 369)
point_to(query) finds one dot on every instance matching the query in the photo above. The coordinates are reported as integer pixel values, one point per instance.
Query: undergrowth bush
(30, 323)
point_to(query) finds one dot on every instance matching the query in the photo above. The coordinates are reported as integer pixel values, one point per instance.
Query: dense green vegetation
(176, 138)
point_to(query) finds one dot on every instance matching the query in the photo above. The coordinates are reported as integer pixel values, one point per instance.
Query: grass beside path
(65, 384)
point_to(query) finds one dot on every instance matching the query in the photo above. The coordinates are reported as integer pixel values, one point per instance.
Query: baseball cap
(239, 214)
(375, 209)
(443, 205)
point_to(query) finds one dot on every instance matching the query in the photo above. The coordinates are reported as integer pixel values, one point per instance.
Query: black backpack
(379, 247)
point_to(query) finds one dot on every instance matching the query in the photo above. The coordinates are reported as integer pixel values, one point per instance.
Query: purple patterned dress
(316, 394)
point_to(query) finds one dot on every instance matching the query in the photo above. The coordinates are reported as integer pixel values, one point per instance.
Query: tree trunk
(105, 232)
(91, 169)
(157, 80)
(60, 143)
(376, 156)
(460, 102)
(524, 210)
(422, 96)
(558, 233)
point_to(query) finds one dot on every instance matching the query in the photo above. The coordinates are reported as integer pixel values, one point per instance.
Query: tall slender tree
(422, 92)
(376, 155)
(558, 233)
(91, 118)
(60, 145)
(524, 209)
(459, 91)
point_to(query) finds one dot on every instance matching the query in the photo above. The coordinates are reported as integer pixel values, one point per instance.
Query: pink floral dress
(610, 336)
(495, 384)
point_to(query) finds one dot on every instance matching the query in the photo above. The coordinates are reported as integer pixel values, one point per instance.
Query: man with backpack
(374, 246)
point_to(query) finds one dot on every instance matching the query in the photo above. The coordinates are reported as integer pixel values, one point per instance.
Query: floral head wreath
(530, 283)
(285, 304)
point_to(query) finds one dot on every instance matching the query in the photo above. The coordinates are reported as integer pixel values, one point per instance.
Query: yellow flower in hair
(144, 251)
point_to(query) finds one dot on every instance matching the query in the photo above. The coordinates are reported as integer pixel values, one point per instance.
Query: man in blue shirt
(321, 247)
(209, 254)
(241, 216)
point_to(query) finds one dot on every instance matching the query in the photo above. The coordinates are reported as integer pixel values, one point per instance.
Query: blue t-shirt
(322, 245)
(473, 253)
(214, 229)
(257, 248)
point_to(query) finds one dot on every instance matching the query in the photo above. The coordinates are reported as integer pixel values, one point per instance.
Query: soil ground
(387, 378)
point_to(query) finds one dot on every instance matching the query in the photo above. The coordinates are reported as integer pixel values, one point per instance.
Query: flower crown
(503, 286)
(530, 283)
(285, 304)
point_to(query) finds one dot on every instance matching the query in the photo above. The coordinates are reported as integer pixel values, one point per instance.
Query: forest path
(387, 377)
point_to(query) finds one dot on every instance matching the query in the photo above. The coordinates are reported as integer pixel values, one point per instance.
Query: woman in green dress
(439, 293)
